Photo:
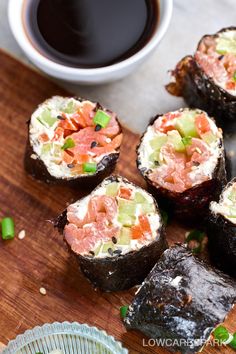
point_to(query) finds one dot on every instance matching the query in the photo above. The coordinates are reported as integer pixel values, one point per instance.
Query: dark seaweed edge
(186, 205)
(126, 268)
(38, 170)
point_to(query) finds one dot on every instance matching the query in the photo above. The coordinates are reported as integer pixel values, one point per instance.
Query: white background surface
(140, 96)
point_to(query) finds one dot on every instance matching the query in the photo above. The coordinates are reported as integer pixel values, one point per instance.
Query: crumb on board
(231, 153)
(33, 156)
(21, 234)
(43, 291)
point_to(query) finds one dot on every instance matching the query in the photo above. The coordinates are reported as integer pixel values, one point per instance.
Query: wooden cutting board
(41, 259)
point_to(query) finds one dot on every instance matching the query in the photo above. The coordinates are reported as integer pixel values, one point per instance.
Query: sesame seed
(98, 127)
(114, 239)
(70, 165)
(21, 234)
(110, 251)
(43, 291)
(33, 156)
(93, 144)
(60, 117)
(198, 150)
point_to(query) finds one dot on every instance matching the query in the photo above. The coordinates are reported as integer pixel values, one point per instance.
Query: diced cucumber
(147, 208)
(126, 220)
(112, 189)
(46, 148)
(157, 142)
(46, 119)
(70, 107)
(127, 207)
(226, 45)
(209, 138)
(106, 246)
(232, 195)
(175, 139)
(139, 198)
(186, 124)
(125, 236)
(155, 158)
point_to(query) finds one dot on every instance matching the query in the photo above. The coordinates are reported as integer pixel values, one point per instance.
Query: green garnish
(123, 311)
(234, 76)
(101, 118)
(164, 216)
(90, 167)
(221, 334)
(196, 235)
(232, 344)
(8, 229)
(187, 140)
(69, 143)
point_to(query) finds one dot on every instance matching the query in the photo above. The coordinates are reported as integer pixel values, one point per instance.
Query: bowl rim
(66, 327)
(17, 28)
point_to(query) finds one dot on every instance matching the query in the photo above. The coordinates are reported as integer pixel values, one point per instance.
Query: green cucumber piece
(106, 246)
(126, 220)
(148, 208)
(112, 189)
(127, 207)
(139, 198)
(155, 158)
(46, 119)
(157, 142)
(226, 45)
(46, 148)
(209, 138)
(186, 124)
(125, 236)
(70, 107)
(175, 139)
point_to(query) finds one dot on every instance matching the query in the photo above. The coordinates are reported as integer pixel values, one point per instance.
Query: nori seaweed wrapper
(119, 272)
(200, 91)
(36, 168)
(182, 299)
(193, 203)
(221, 234)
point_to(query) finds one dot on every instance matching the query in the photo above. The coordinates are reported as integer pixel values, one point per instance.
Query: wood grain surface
(41, 259)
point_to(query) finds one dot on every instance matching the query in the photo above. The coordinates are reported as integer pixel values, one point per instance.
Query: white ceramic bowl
(69, 338)
(87, 76)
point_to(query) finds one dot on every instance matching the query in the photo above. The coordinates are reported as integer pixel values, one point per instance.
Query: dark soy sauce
(90, 33)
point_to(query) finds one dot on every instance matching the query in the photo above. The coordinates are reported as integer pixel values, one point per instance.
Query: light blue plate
(70, 338)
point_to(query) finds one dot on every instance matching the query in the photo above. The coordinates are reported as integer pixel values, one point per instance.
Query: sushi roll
(207, 79)
(222, 230)
(181, 301)
(72, 140)
(116, 234)
(181, 156)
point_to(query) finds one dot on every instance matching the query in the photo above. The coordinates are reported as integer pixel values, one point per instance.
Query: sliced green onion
(8, 229)
(69, 143)
(90, 167)
(187, 140)
(123, 311)
(101, 118)
(164, 216)
(221, 334)
(234, 76)
(196, 235)
(232, 344)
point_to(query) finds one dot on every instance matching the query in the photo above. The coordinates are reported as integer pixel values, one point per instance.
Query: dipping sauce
(90, 33)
